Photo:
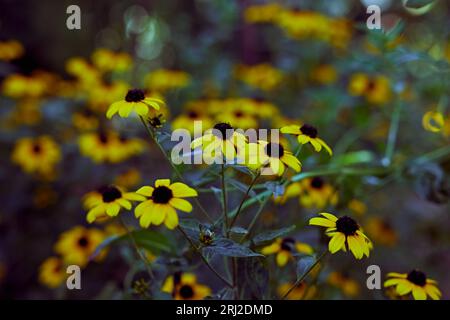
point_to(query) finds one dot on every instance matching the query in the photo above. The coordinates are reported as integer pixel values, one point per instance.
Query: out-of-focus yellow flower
(262, 13)
(27, 112)
(135, 101)
(85, 120)
(324, 74)
(237, 117)
(345, 234)
(301, 292)
(11, 50)
(77, 245)
(101, 96)
(285, 249)
(415, 282)
(18, 86)
(37, 155)
(197, 111)
(389, 45)
(109, 147)
(433, 121)
(262, 76)
(52, 272)
(184, 286)
(357, 207)
(106, 60)
(381, 231)
(348, 286)
(111, 201)
(162, 202)
(376, 89)
(129, 178)
(162, 80)
(86, 74)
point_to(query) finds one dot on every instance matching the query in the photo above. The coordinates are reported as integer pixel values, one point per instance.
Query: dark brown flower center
(186, 292)
(110, 193)
(192, 115)
(222, 128)
(317, 183)
(287, 244)
(83, 242)
(275, 150)
(162, 195)
(135, 95)
(309, 130)
(103, 137)
(37, 148)
(417, 277)
(238, 114)
(347, 226)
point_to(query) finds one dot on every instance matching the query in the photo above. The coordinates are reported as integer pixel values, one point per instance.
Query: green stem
(304, 275)
(224, 200)
(136, 247)
(210, 267)
(175, 169)
(244, 198)
(393, 131)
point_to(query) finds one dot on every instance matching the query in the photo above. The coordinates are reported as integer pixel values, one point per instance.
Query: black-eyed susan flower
(102, 95)
(301, 292)
(135, 101)
(347, 285)
(108, 201)
(345, 234)
(416, 283)
(36, 155)
(129, 178)
(262, 76)
(106, 60)
(20, 86)
(381, 231)
(162, 202)
(238, 117)
(272, 155)
(433, 121)
(184, 286)
(77, 245)
(376, 89)
(10, 50)
(307, 134)
(162, 80)
(85, 120)
(52, 272)
(187, 118)
(285, 249)
(221, 141)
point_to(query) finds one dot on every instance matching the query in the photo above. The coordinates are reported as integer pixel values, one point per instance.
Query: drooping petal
(303, 139)
(336, 242)
(125, 109)
(322, 222)
(271, 249)
(326, 147)
(159, 213)
(283, 258)
(112, 209)
(317, 146)
(355, 247)
(113, 108)
(124, 203)
(419, 293)
(171, 220)
(181, 204)
(143, 208)
(292, 162)
(404, 287)
(141, 109)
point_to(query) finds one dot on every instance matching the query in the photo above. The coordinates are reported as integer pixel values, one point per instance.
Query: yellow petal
(145, 191)
(292, 162)
(322, 222)
(271, 249)
(141, 109)
(404, 287)
(355, 247)
(336, 242)
(162, 183)
(325, 146)
(419, 293)
(113, 108)
(181, 204)
(159, 213)
(171, 220)
(303, 139)
(282, 258)
(112, 209)
(125, 109)
(124, 203)
(291, 129)
(180, 190)
(317, 146)
(329, 216)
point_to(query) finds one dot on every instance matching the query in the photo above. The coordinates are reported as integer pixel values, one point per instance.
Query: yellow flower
(18, 86)
(162, 202)
(345, 234)
(433, 121)
(10, 50)
(415, 282)
(184, 286)
(135, 101)
(88, 76)
(112, 200)
(263, 13)
(324, 74)
(300, 292)
(238, 117)
(162, 80)
(285, 248)
(222, 140)
(272, 155)
(37, 155)
(348, 286)
(101, 96)
(85, 120)
(194, 112)
(129, 178)
(381, 231)
(307, 134)
(376, 89)
(52, 272)
(261, 76)
(357, 207)
(106, 60)
(77, 245)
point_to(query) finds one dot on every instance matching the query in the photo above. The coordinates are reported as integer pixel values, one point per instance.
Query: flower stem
(175, 169)
(225, 281)
(392, 136)
(224, 200)
(136, 247)
(243, 200)
(304, 275)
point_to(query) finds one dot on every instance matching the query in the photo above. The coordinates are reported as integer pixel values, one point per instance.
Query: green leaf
(103, 245)
(238, 230)
(272, 235)
(303, 266)
(150, 240)
(229, 248)
(362, 156)
(418, 7)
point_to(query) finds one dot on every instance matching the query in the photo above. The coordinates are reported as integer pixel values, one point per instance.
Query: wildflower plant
(198, 169)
